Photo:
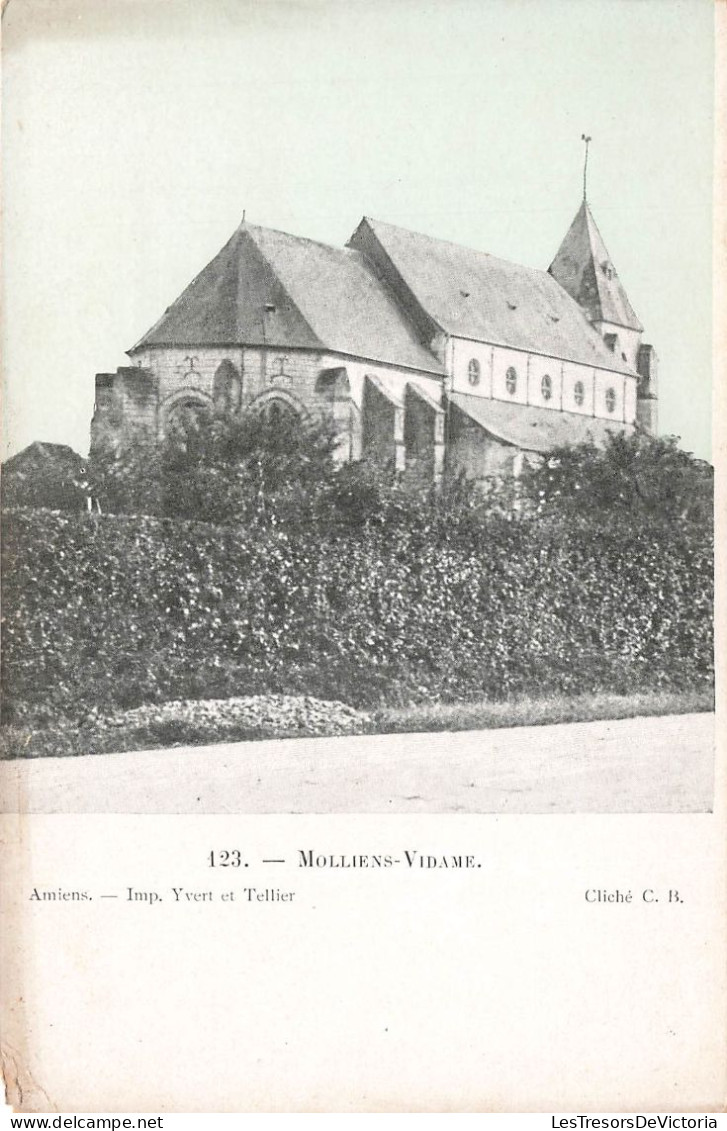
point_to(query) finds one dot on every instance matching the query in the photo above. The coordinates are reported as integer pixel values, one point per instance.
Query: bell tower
(583, 267)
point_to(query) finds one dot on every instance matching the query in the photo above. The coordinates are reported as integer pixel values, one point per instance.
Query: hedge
(110, 611)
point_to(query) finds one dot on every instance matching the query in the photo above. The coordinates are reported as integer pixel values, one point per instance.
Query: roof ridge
(462, 246)
(292, 236)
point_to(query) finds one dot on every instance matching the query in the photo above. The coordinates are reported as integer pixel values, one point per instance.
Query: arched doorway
(278, 413)
(183, 416)
(186, 413)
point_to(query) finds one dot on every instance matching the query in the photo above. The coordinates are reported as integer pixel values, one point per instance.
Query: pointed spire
(584, 269)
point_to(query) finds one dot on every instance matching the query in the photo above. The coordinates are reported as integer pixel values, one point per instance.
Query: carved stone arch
(226, 387)
(275, 402)
(183, 407)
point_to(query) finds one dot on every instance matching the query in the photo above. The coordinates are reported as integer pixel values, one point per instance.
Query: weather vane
(585, 163)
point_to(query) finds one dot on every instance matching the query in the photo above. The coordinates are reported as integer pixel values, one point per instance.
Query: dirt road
(662, 764)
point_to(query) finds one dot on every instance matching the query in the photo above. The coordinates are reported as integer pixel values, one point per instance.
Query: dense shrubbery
(220, 467)
(394, 602)
(344, 584)
(54, 485)
(633, 474)
(225, 467)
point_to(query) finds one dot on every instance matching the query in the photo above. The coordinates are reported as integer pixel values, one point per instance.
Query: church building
(429, 357)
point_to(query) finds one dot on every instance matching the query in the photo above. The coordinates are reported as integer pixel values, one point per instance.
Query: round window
(610, 398)
(511, 380)
(579, 392)
(473, 371)
(546, 387)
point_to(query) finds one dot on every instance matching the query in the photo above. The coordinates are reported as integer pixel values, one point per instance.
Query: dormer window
(607, 269)
(473, 372)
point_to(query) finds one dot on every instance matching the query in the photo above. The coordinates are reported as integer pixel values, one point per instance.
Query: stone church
(427, 355)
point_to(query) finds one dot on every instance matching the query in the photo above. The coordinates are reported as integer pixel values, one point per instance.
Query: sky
(136, 132)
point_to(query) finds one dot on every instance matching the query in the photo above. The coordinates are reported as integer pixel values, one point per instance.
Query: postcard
(361, 367)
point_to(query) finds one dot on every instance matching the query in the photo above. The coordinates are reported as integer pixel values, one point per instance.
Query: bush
(633, 474)
(424, 605)
(220, 467)
(55, 487)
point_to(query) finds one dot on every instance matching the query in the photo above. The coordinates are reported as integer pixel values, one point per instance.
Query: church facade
(428, 356)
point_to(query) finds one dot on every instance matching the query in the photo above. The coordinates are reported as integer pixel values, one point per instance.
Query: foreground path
(657, 764)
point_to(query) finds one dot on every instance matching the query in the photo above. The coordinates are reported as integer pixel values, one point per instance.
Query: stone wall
(526, 378)
(168, 382)
(473, 452)
(647, 404)
(126, 403)
(383, 427)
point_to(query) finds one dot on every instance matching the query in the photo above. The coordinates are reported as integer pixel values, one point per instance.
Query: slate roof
(42, 454)
(472, 294)
(269, 288)
(394, 390)
(535, 429)
(584, 269)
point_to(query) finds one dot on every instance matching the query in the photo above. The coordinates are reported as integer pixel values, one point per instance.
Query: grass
(64, 741)
(530, 712)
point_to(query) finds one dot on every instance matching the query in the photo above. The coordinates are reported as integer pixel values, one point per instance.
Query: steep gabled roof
(584, 269)
(269, 288)
(42, 454)
(471, 294)
(227, 304)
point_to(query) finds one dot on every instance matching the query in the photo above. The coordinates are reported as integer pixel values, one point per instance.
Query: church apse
(387, 335)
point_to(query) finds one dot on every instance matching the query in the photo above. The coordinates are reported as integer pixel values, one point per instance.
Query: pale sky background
(135, 132)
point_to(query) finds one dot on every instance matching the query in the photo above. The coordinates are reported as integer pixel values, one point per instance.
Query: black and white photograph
(423, 448)
(357, 450)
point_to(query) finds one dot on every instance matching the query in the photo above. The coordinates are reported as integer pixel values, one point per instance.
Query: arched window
(610, 399)
(473, 372)
(226, 386)
(546, 387)
(579, 392)
(511, 380)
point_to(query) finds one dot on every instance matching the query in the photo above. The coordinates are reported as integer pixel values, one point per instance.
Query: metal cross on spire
(585, 138)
